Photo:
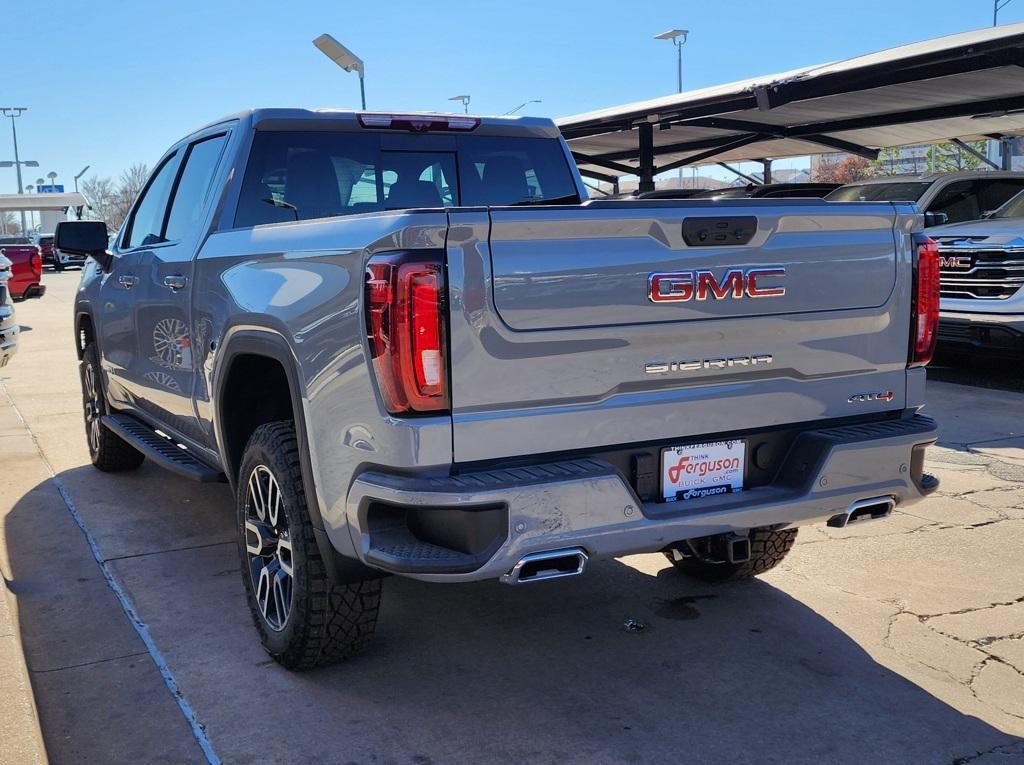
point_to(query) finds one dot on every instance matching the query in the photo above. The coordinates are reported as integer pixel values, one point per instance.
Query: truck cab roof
(270, 118)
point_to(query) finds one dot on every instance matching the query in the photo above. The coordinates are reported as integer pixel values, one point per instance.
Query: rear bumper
(477, 526)
(8, 334)
(995, 332)
(69, 260)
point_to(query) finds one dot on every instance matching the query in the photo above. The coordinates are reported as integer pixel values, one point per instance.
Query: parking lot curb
(22, 739)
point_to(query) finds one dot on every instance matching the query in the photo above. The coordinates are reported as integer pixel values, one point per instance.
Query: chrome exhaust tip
(551, 564)
(864, 510)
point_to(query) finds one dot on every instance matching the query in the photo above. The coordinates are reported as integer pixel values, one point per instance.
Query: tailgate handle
(719, 232)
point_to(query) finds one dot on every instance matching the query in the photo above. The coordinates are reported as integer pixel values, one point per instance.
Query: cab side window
(959, 201)
(147, 222)
(194, 186)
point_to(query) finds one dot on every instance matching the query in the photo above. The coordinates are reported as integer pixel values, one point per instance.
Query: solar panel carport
(964, 86)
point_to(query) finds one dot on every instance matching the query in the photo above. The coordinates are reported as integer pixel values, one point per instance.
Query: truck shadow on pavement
(458, 673)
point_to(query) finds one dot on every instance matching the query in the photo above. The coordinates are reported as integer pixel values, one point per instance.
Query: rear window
(294, 176)
(908, 191)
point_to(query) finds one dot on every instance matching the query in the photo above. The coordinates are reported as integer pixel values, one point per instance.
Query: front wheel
(303, 619)
(696, 557)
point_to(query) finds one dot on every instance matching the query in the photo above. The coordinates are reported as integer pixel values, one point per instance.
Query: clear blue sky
(111, 83)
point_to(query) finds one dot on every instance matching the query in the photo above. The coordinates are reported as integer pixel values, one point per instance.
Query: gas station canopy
(964, 86)
(26, 202)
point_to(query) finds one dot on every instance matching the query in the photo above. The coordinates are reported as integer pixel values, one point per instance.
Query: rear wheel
(698, 558)
(303, 619)
(57, 265)
(108, 451)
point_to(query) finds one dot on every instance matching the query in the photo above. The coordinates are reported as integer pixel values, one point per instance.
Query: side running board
(163, 451)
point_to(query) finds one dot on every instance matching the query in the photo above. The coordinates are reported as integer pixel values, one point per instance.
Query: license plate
(695, 471)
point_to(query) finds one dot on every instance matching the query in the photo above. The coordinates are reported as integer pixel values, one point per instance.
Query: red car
(45, 245)
(26, 267)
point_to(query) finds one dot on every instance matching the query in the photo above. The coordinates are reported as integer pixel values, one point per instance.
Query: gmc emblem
(962, 262)
(736, 283)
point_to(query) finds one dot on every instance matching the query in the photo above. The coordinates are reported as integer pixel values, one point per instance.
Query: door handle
(127, 281)
(175, 281)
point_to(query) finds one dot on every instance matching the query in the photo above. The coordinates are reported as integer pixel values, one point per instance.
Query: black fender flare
(272, 344)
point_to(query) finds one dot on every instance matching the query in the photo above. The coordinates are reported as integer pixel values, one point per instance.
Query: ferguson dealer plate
(702, 470)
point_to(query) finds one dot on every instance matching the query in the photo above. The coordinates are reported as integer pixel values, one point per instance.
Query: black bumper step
(162, 451)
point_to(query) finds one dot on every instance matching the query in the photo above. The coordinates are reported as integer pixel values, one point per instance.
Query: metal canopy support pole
(744, 176)
(974, 153)
(646, 170)
(767, 170)
(1006, 152)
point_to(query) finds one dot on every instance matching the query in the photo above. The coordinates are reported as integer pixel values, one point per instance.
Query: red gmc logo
(736, 283)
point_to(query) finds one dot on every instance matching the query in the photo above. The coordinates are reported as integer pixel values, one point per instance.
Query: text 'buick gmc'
(412, 348)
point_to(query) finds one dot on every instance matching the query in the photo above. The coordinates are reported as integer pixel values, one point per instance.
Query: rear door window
(193, 189)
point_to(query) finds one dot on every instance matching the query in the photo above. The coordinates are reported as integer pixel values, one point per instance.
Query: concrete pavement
(897, 641)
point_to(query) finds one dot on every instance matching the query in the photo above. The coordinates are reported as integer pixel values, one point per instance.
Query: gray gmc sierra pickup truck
(411, 347)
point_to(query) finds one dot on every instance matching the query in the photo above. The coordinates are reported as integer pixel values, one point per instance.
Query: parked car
(410, 349)
(45, 244)
(26, 267)
(8, 323)
(62, 260)
(982, 275)
(960, 196)
(771, 190)
(751, 191)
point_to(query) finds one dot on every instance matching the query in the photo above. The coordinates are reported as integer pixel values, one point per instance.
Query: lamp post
(525, 103)
(344, 58)
(678, 38)
(12, 112)
(465, 102)
(998, 5)
(84, 169)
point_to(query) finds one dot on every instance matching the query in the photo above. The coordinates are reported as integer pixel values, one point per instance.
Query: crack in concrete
(1011, 749)
(88, 663)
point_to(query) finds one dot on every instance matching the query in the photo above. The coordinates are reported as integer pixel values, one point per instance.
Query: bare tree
(110, 201)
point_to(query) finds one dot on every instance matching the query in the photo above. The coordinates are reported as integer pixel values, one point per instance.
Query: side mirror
(935, 219)
(83, 237)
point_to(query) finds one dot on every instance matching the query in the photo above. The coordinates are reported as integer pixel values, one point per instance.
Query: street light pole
(525, 103)
(12, 112)
(84, 169)
(464, 100)
(344, 58)
(678, 38)
(998, 5)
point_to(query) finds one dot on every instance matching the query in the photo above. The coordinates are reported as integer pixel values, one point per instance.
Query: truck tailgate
(559, 344)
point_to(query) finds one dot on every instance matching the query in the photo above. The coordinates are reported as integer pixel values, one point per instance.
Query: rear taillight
(405, 328)
(36, 263)
(925, 308)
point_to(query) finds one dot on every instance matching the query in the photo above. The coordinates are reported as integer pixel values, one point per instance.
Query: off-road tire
(107, 451)
(767, 549)
(326, 623)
